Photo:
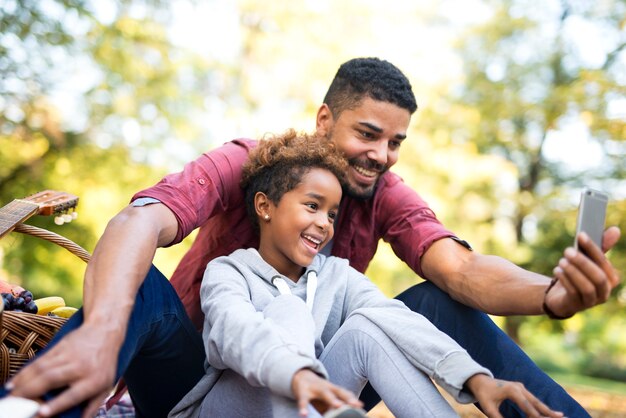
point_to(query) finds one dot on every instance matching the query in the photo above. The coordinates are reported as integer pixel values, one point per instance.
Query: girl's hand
(491, 392)
(308, 387)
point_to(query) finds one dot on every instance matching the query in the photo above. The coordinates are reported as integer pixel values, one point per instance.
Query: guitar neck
(47, 202)
(14, 213)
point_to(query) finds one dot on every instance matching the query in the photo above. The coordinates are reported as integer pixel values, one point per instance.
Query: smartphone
(591, 215)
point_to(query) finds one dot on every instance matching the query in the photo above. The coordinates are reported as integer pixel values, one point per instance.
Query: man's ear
(324, 121)
(262, 205)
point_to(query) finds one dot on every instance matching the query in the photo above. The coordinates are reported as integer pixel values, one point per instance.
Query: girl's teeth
(313, 240)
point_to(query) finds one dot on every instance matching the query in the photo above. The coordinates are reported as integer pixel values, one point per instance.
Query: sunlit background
(521, 104)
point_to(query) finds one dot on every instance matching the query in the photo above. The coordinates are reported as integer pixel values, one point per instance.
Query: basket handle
(69, 245)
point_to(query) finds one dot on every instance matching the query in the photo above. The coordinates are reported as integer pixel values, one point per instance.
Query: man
(366, 112)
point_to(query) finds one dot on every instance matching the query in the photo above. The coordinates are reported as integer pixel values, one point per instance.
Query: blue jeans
(163, 355)
(488, 345)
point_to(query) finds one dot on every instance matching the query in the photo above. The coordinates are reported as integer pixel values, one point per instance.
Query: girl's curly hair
(278, 163)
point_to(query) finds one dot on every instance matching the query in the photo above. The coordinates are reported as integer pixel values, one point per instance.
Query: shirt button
(201, 181)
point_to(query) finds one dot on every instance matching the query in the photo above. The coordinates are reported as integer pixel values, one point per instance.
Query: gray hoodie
(236, 289)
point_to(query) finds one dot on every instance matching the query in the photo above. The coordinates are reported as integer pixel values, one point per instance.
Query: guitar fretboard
(14, 213)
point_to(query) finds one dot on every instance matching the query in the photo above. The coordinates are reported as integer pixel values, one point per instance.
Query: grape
(22, 303)
(31, 307)
(19, 303)
(6, 302)
(10, 300)
(27, 295)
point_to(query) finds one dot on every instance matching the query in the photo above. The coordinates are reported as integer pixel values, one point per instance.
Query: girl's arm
(240, 338)
(436, 354)
(424, 345)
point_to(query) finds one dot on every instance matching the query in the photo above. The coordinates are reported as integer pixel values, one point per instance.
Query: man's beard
(359, 192)
(362, 193)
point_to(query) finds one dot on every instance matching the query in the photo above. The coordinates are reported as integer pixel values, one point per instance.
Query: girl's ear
(262, 206)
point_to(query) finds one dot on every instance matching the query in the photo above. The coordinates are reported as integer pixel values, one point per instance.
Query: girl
(291, 331)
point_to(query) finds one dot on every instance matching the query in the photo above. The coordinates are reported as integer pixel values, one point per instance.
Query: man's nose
(378, 152)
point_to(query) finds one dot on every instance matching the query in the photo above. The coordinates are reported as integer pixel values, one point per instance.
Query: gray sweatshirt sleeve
(425, 346)
(240, 338)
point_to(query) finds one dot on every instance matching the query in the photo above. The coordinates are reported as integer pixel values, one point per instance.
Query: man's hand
(308, 387)
(585, 277)
(491, 392)
(83, 363)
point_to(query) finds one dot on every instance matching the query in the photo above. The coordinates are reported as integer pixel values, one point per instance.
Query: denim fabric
(488, 345)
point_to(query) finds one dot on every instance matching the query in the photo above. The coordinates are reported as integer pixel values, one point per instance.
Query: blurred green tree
(113, 69)
(543, 90)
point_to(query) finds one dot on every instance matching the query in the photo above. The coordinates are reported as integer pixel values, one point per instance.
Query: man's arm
(497, 286)
(121, 261)
(86, 359)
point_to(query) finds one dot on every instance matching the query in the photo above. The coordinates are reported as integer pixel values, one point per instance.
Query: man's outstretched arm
(497, 286)
(85, 361)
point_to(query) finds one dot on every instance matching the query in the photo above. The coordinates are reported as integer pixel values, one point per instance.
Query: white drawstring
(311, 287)
(282, 286)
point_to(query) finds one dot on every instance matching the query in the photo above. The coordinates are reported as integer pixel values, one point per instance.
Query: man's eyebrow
(371, 126)
(379, 130)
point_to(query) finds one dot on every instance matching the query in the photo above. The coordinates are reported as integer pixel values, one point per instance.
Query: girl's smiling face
(301, 224)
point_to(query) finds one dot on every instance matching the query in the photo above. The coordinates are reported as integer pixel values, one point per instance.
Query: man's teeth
(313, 240)
(365, 172)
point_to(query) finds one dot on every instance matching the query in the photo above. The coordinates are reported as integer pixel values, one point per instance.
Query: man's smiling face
(370, 136)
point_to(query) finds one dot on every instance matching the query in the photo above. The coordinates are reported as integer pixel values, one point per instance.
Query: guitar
(48, 202)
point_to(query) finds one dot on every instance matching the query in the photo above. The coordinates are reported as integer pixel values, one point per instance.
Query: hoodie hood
(258, 266)
(284, 285)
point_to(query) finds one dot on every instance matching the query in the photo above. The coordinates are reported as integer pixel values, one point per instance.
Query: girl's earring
(266, 217)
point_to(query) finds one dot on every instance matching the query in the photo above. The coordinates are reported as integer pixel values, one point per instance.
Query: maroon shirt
(206, 194)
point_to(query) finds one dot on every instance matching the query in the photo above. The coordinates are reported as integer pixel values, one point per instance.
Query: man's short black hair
(369, 77)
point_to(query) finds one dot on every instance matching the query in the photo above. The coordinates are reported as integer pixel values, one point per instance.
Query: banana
(48, 304)
(64, 311)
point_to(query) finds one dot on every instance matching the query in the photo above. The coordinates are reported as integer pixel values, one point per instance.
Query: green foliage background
(102, 99)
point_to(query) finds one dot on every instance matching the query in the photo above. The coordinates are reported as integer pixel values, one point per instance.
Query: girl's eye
(332, 216)
(311, 205)
(367, 135)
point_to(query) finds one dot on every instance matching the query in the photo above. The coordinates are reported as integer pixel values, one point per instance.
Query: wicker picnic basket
(24, 334)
